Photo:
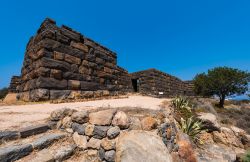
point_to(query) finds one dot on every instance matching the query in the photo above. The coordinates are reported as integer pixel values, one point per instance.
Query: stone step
(20, 148)
(6, 136)
(58, 151)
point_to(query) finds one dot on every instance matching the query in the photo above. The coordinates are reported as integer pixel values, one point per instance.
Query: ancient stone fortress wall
(14, 82)
(61, 63)
(157, 83)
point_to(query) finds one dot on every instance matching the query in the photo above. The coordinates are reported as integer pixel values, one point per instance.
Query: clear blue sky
(180, 37)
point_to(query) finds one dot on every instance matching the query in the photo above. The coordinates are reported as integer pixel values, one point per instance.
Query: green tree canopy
(221, 81)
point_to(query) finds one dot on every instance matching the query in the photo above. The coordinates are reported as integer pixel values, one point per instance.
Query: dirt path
(14, 117)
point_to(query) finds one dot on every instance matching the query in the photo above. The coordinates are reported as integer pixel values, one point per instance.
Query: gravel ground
(17, 116)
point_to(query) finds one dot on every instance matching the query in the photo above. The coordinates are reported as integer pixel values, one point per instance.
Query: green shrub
(191, 127)
(246, 157)
(3, 92)
(182, 107)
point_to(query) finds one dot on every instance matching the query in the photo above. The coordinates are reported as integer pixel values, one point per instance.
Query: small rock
(80, 141)
(148, 123)
(110, 156)
(121, 120)
(113, 132)
(60, 114)
(108, 144)
(80, 129)
(101, 153)
(210, 121)
(100, 131)
(66, 122)
(80, 117)
(69, 130)
(135, 123)
(92, 152)
(89, 129)
(102, 117)
(64, 152)
(94, 143)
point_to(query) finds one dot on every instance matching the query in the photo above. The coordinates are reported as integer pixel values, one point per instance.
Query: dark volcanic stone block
(53, 64)
(73, 76)
(8, 135)
(59, 94)
(32, 130)
(79, 128)
(70, 34)
(39, 94)
(12, 153)
(46, 140)
(51, 83)
(100, 132)
(89, 86)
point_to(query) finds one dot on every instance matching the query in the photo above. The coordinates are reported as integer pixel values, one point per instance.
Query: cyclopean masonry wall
(61, 63)
(15, 81)
(157, 83)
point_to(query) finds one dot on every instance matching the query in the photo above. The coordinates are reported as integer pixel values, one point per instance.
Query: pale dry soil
(19, 116)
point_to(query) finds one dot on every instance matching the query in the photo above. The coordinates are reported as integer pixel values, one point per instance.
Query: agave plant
(191, 127)
(181, 103)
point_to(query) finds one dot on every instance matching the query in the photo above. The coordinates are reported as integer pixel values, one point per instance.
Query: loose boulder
(148, 123)
(141, 146)
(121, 120)
(210, 121)
(80, 117)
(102, 117)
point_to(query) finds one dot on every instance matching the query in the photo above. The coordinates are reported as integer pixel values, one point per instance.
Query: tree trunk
(222, 100)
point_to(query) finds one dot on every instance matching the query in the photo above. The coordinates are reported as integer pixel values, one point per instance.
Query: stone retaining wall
(15, 81)
(157, 83)
(60, 61)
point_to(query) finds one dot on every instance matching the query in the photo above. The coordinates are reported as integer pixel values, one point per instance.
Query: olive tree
(221, 81)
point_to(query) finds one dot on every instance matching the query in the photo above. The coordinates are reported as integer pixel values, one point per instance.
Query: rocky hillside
(126, 134)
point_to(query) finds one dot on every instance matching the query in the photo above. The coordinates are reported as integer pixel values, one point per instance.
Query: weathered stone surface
(121, 120)
(186, 152)
(148, 123)
(89, 86)
(59, 94)
(51, 83)
(210, 121)
(8, 135)
(113, 132)
(94, 143)
(102, 117)
(80, 117)
(70, 34)
(73, 76)
(32, 130)
(110, 156)
(89, 130)
(79, 46)
(135, 123)
(74, 84)
(12, 153)
(53, 64)
(101, 153)
(59, 56)
(227, 137)
(141, 146)
(57, 74)
(80, 141)
(72, 59)
(61, 113)
(43, 156)
(79, 128)
(66, 122)
(46, 140)
(100, 132)
(64, 152)
(108, 144)
(39, 94)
